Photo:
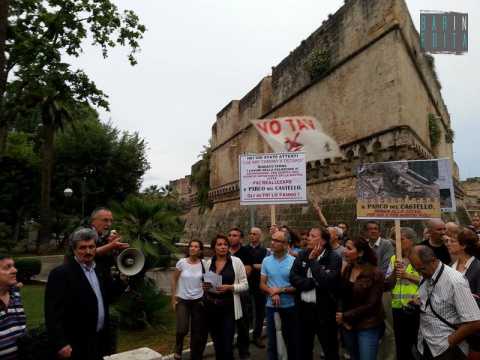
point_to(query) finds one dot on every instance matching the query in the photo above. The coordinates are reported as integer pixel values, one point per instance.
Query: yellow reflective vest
(404, 290)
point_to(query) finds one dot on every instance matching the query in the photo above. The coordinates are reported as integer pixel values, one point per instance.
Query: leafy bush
(317, 64)
(142, 306)
(27, 267)
(6, 239)
(434, 130)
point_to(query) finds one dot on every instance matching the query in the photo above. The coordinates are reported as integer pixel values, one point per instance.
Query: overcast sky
(197, 55)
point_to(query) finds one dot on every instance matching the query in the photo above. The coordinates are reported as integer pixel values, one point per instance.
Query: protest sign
(278, 178)
(445, 182)
(400, 189)
(298, 133)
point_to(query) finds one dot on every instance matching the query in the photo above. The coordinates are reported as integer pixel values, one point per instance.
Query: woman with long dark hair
(187, 301)
(223, 302)
(361, 311)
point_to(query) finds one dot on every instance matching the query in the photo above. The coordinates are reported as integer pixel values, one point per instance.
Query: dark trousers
(451, 354)
(259, 302)
(315, 322)
(221, 324)
(191, 314)
(91, 346)
(405, 327)
(289, 319)
(243, 335)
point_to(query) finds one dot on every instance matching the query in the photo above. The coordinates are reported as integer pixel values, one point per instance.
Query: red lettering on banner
(290, 122)
(275, 127)
(301, 125)
(310, 123)
(263, 127)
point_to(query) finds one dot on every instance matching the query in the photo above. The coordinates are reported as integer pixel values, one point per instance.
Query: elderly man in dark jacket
(316, 274)
(76, 303)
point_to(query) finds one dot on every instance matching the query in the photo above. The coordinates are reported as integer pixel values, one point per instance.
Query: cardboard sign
(298, 133)
(400, 189)
(278, 178)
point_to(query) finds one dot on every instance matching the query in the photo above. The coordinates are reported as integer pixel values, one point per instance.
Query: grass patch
(160, 339)
(32, 298)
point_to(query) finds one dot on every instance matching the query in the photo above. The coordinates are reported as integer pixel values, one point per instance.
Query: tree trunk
(18, 224)
(3, 73)
(46, 184)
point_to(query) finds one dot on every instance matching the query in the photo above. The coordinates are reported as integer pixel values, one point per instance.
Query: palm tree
(150, 225)
(54, 115)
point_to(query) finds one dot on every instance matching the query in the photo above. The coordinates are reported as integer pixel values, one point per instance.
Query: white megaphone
(130, 261)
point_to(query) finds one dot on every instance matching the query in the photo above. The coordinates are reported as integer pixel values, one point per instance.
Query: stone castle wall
(374, 100)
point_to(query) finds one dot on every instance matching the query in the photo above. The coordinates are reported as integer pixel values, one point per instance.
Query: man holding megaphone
(109, 241)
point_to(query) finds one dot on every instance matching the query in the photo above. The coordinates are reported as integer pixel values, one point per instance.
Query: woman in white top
(187, 301)
(223, 302)
(464, 248)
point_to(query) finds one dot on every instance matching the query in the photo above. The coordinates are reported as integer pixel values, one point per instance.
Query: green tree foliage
(40, 35)
(112, 162)
(200, 178)
(151, 225)
(19, 176)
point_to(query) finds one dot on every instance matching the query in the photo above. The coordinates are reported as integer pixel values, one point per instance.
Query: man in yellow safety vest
(402, 277)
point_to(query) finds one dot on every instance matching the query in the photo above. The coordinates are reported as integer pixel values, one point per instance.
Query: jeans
(289, 321)
(191, 313)
(363, 344)
(221, 323)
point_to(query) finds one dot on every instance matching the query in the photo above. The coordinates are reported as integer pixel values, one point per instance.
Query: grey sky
(199, 54)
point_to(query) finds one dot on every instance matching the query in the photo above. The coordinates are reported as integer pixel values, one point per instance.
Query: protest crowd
(350, 293)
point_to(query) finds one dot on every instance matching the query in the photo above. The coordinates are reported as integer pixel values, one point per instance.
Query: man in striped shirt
(12, 315)
(448, 311)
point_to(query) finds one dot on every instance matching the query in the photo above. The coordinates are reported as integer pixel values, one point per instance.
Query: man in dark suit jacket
(76, 303)
(316, 275)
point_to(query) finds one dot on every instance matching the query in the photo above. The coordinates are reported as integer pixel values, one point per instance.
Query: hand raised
(65, 352)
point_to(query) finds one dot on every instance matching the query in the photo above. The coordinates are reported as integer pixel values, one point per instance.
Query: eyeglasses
(279, 241)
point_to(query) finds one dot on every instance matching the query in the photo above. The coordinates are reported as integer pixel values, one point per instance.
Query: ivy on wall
(201, 178)
(317, 63)
(434, 130)
(449, 136)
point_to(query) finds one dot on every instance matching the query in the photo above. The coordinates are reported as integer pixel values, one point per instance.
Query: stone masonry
(374, 99)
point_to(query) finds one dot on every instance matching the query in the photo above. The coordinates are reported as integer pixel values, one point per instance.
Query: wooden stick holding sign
(273, 220)
(398, 240)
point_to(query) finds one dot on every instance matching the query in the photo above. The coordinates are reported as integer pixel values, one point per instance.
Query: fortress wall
(358, 98)
(374, 100)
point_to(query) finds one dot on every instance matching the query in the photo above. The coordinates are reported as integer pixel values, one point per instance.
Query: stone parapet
(137, 354)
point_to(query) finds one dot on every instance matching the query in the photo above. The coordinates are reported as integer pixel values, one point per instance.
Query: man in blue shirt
(275, 283)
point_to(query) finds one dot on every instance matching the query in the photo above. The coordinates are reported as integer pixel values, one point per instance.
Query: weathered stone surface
(374, 100)
(137, 354)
